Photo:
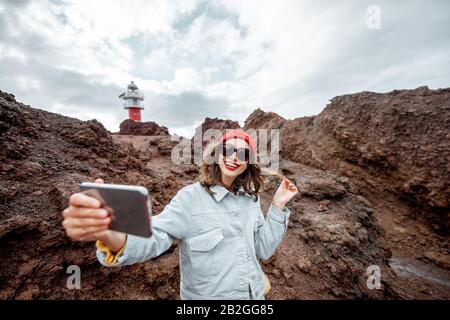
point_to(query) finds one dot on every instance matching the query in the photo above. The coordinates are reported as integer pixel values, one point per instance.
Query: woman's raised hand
(285, 192)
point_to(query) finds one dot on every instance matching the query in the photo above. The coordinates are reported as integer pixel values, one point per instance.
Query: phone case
(130, 206)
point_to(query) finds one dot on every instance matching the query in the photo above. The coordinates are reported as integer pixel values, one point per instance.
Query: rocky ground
(372, 171)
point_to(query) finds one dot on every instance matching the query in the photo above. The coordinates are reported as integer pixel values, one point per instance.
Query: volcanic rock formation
(372, 172)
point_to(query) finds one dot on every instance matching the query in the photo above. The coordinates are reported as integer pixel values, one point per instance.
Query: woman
(218, 219)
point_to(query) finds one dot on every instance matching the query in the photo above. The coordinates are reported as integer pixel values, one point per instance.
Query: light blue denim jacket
(222, 238)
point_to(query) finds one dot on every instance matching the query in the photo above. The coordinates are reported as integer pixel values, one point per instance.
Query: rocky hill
(396, 142)
(373, 191)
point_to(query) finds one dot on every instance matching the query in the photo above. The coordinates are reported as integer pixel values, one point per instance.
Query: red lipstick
(233, 167)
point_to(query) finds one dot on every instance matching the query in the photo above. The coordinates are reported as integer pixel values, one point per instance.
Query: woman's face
(230, 164)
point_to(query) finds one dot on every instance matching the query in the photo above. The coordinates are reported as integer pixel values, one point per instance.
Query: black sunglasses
(242, 154)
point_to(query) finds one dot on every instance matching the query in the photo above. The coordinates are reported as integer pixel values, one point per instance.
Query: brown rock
(395, 141)
(320, 188)
(441, 260)
(150, 128)
(165, 148)
(304, 264)
(31, 168)
(221, 126)
(259, 119)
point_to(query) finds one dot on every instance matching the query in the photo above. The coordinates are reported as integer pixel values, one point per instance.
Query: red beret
(240, 134)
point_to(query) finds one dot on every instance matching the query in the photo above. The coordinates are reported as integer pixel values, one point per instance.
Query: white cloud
(187, 79)
(108, 119)
(11, 52)
(289, 56)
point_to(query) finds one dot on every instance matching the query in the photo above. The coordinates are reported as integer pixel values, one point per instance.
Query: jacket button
(253, 277)
(241, 234)
(257, 293)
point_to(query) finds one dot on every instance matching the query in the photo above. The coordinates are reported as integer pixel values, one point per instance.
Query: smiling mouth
(231, 166)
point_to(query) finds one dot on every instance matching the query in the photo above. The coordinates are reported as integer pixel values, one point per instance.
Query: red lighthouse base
(134, 114)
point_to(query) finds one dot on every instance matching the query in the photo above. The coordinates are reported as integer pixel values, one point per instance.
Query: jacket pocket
(202, 254)
(206, 241)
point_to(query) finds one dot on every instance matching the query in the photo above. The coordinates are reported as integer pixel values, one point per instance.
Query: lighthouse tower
(132, 101)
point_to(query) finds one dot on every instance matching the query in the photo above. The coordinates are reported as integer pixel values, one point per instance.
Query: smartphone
(130, 206)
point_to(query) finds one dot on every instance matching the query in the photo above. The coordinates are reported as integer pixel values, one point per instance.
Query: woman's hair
(251, 179)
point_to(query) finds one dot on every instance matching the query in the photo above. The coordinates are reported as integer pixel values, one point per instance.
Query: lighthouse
(132, 101)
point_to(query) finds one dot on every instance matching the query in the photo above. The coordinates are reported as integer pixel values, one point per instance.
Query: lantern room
(132, 101)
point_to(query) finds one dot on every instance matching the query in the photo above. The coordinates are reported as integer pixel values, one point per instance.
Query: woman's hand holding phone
(85, 220)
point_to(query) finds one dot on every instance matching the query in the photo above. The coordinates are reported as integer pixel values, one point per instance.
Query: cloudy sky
(194, 59)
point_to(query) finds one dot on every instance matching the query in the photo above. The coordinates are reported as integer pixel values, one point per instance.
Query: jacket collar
(220, 191)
